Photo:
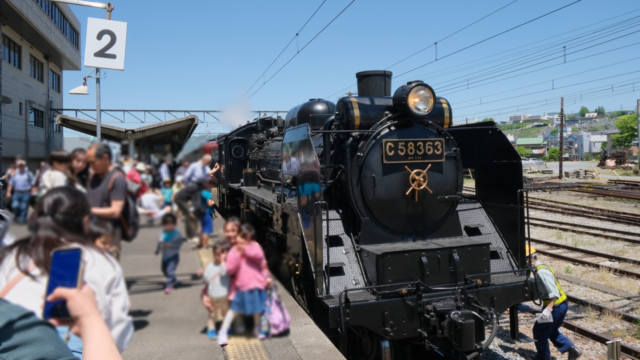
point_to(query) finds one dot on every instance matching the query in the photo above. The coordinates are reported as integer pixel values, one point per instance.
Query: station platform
(173, 326)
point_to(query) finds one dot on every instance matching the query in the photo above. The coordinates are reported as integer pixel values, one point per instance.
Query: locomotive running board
(341, 265)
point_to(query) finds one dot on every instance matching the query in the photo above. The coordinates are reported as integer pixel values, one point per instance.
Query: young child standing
(166, 191)
(247, 264)
(169, 242)
(217, 287)
(231, 230)
(206, 220)
(101, 232)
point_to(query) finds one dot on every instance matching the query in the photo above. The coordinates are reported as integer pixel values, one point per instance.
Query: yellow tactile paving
(241, 348)
(205, 256)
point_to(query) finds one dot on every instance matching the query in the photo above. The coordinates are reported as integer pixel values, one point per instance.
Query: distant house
(590, 144)
(538, 146)
(591, 115)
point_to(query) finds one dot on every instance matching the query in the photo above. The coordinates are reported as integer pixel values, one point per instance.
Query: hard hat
(529, 250)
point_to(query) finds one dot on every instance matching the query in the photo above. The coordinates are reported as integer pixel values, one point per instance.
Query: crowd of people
(85, 199)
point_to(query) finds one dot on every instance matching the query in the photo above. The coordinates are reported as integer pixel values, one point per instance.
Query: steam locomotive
(359, 206)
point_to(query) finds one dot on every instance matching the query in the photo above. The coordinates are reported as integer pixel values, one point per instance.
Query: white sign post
(106, 42)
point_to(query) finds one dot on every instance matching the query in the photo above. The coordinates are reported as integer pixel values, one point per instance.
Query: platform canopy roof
(179, 129)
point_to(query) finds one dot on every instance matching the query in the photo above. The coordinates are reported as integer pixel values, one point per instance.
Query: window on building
(54, 81)
(20, 109)
(36, 68)
(56, 127)
(36, 117)
(61, 22)
(11, 52)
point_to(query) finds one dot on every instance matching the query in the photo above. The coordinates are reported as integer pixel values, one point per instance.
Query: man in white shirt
(198, 170)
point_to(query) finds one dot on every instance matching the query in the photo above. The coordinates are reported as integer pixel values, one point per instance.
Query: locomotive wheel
(374, 347)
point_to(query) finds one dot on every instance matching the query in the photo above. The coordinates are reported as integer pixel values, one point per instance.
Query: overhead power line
(283, 50)
(489, 38)
(304, 47)
(432, 45)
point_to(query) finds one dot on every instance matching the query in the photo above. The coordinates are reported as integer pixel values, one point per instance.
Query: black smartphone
(66, 271)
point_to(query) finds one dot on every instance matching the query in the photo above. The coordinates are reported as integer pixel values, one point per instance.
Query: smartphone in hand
(66, 271)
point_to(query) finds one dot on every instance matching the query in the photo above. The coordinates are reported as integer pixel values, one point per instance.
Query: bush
(587, 157)
(524, 152)
(553, 154)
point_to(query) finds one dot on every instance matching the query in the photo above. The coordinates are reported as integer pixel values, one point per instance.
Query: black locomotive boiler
(359, 206)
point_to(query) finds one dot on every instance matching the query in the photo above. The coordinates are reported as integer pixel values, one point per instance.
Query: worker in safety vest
(555, 306)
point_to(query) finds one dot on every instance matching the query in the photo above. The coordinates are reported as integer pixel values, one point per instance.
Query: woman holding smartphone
(62, 221)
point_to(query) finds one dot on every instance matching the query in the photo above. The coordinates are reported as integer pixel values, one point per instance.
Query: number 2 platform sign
(106, 41)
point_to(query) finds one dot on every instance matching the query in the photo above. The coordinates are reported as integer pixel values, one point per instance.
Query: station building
(40, 40)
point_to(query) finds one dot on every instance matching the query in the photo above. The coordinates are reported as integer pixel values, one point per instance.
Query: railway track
(600, 338)
(589, 214)
(585, 207)
(571, 259)
(603, 309)
(558, 225)
(587, 252)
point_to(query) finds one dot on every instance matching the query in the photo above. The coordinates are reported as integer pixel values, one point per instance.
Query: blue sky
(206, 54)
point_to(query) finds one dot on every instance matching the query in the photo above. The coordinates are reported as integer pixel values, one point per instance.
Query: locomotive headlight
(416, 98)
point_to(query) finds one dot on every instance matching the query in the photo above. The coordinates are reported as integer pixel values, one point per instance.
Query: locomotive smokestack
(374, 83)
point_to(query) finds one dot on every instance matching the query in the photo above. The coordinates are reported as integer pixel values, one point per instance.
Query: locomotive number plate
(412, 150)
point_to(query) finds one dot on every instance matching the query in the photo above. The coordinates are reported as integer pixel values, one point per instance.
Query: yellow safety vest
(563, 296)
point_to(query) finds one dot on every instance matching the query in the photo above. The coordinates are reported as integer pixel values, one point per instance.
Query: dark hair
(82, 177)
(233, 220)
(98, 228)
(60, 217)
(102, 149)
(221, 244)
(247, 231)
(169, 219)
(59, 156)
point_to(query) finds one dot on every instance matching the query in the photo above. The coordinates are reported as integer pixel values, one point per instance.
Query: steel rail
(602, 309)
(585, 232)
(584, 214)
(622, 272)
(585, 207)
(590, 227)
(596, 211)
(625, 194)
(602, 339)
(588, 252)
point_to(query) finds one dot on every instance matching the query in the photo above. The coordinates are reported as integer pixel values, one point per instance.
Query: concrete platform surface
(172, 326)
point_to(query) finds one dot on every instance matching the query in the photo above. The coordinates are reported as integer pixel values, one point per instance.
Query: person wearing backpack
(107, 192)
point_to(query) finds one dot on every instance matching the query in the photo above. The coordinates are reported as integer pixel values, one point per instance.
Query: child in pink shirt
(247, 266)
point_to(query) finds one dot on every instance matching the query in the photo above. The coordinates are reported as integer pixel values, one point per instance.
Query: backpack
(279, 318)
(129, 218)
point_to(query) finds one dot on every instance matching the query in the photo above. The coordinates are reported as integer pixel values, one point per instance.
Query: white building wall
(20, 138)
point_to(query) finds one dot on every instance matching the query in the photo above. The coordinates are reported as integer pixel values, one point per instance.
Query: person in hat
(19, 190)
(555, 306)
(145, 174)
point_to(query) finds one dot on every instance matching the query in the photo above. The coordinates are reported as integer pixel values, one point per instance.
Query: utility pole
(98, 111)
(561, 134)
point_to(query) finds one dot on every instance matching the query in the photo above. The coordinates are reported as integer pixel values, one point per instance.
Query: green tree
(524, 152)
(571, 117)
(583, 111)
(600, 110)
(554, 132)
(553, 154)
(628, 127)
(488, 119)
